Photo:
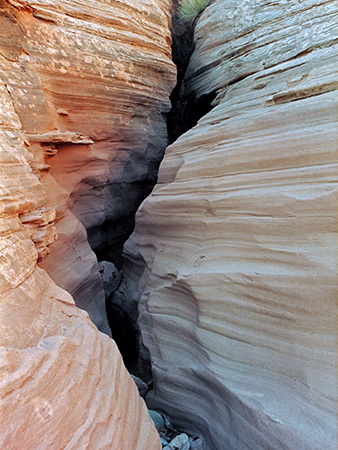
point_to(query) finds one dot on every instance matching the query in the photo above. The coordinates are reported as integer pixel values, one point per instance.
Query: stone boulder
(111, 277)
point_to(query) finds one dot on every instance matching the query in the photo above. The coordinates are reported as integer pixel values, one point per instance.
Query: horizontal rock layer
(234, 255)
(90, 83)
(63, 384)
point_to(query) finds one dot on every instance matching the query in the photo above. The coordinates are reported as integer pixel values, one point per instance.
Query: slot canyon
(168, 225)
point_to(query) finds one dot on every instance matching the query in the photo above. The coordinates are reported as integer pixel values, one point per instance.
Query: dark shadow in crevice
(108, 238)
(187, 112)
(186, 109)
(124, 334)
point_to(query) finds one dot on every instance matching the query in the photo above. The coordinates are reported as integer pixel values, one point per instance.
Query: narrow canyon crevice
(123, 199)
(186, 110)
(216, 271)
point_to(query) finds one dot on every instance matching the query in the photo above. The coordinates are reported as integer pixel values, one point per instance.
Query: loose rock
(164, 442)
(180, 442)
(157, 419)
(167, 423)
(110, 276)
(141, 385)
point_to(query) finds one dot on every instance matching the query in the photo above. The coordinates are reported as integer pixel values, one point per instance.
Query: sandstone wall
(83, 86)
(62, 383)
(234, 255)
(89, 82)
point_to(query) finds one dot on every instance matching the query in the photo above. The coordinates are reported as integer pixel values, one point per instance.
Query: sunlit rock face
(62, 382)
(90, 83)
(235, 250)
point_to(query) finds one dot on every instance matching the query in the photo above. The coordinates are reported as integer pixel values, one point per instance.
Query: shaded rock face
(233, 257)
(90, 84)
(187, 108)
(62, 383)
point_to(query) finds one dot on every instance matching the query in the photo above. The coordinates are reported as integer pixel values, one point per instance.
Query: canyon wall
(90, 84)
(83, 89)
(234, 255)
(63, 384)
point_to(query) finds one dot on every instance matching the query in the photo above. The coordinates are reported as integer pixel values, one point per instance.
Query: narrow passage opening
(186, 110)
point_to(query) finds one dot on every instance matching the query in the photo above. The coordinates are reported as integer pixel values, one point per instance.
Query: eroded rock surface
(90, 83)
(63, 384)
(234, 255)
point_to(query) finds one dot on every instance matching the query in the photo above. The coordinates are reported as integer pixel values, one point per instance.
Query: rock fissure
(122, 312)
(185, 112)
(187, 108)
(228, 319)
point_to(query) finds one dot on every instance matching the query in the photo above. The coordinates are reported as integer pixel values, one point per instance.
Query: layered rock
(62, 383)
(234, 256)
(90, 83)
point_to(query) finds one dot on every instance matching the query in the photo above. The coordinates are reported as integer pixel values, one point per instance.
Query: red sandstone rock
(82, 88)
(90, 83)
(62, 383)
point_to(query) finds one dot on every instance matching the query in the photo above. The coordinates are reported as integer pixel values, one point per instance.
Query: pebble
(141, 385)
(157, 419)
(180, 442)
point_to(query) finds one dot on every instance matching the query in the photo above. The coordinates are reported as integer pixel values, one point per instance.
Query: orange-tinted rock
(90, 83)
(62, 383)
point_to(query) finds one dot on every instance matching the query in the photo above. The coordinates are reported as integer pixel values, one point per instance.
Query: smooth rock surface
(157, 419)
(62, 383)
(234, 256)
(197, 444)
(90, 83)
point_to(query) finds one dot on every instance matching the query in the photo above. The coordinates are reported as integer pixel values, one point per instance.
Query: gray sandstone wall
(233, 261)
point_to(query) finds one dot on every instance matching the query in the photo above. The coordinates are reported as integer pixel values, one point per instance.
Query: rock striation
(62, 383)
(90, 84)
(83, 90)
(233, 260)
